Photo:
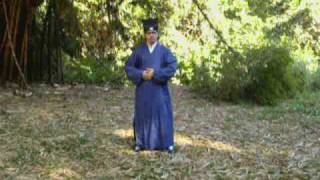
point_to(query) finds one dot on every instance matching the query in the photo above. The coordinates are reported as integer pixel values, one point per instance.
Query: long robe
(153, 117)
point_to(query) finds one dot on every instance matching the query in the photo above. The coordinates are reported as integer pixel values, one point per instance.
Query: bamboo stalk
(43, 40)
(27, 39)
(7, 48)
(25, 85)
(7, 55)
(49, 46)
(29, 17)
(57, 46)
(3, 40)
(15, 27)
(22, 51)
(23, 46)
(11, 25)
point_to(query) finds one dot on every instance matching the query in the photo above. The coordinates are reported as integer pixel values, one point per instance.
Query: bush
(232, 78)
(222, 80)
(202, 80)
(301, 75)
(265, 75)
(270, 75)
(93, 71)
(315, 81)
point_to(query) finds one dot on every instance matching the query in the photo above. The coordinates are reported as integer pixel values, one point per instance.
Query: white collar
(152, 47)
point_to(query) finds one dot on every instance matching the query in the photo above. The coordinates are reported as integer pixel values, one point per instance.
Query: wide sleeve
(162, 75)
(134, 74)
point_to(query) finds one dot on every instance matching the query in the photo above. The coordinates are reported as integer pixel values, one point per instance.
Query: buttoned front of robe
(153, 117)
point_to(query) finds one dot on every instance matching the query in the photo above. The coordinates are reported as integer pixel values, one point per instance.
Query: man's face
(151, 37)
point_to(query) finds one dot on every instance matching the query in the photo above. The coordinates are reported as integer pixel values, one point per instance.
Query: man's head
(150, 27)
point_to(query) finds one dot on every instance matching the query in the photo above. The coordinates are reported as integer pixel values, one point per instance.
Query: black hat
(150, 25)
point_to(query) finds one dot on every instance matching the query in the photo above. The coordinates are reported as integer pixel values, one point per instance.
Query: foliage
(266, 75)
(211, 51)
(315, 83)
(270, 74)
(255, 29)
(302, 76)
(202, 80)
(93, 71)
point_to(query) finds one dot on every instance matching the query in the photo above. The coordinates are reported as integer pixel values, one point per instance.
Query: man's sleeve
(164, 74)
(134, 74)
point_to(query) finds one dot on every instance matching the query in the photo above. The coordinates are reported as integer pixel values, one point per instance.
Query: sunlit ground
(183, 140)
(85, 132)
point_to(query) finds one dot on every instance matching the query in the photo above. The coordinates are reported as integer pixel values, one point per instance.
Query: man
(150, 67)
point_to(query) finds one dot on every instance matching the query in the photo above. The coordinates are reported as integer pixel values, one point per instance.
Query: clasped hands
(148, 74)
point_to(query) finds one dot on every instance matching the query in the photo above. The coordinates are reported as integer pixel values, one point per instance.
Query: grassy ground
(84, 132)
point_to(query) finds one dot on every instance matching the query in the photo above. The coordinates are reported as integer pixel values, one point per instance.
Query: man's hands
(148, 74)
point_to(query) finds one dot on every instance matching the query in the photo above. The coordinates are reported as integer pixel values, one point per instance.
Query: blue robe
(153, 117)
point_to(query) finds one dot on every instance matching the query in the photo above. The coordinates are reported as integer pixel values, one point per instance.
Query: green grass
(85, 133)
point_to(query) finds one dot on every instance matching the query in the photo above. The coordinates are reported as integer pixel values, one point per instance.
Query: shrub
(301, 75)
(93, 71)
(222, 80)
(270, 75)
(232, 78)
(202, 80)
(315, 80)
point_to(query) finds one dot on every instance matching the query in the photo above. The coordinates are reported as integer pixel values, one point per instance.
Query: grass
(84, 132)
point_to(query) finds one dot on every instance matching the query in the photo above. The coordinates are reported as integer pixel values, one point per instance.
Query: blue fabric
(153, 117)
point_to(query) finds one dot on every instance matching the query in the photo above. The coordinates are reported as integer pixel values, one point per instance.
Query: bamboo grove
(21, 57)
(36, 34)
(15, 19)
(32, 45)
